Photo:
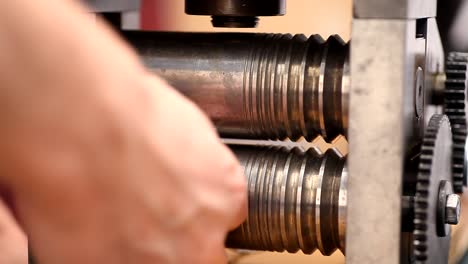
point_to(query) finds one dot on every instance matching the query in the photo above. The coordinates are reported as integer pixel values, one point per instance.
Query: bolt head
(452, 209)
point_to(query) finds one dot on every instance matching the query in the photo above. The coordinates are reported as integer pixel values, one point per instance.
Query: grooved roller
(296, 200)
(258, 86)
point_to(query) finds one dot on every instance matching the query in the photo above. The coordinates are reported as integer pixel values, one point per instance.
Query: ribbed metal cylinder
(262, 86)
(296, 200)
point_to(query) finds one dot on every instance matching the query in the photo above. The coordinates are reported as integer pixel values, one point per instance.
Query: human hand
(106, 163)
(13, 241)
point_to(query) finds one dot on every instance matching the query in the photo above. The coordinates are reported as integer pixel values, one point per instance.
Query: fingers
(211, 250)
(238, 191)
(219, 256)
(206, 161)
(240, 214)
(213, 161)
(13, 241)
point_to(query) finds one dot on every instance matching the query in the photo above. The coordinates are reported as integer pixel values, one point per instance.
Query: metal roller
(297, 200)
(262, 86)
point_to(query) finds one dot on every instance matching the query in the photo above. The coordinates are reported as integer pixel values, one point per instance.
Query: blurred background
(307, 17)
(303, 16)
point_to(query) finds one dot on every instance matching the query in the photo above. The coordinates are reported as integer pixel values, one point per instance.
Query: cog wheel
(456, 108)
(435, 168)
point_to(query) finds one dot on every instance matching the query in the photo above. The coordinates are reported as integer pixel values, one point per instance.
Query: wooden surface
(283, 258)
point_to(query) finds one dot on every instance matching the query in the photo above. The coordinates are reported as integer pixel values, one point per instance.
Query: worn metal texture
(431, 235)
(113, 5)
(297, 200)
(455, 107)
(263, 86)
(395, 9)
(382, 127)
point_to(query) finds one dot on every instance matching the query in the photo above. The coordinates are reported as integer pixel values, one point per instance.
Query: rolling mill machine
(391, 91)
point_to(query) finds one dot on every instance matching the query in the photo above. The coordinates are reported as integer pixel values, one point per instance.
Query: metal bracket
(395, 9)
(390, 42)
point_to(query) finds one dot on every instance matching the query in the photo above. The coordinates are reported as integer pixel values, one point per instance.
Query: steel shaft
(297, 200)
(263, 86)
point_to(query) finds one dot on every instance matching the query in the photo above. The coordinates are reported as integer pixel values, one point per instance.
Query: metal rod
(263, 86)
(297, 200)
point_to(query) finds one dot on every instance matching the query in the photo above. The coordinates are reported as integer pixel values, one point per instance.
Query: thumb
(13, 241)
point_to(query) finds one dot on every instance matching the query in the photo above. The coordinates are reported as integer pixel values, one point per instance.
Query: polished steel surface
(263, 86)
(297, 200)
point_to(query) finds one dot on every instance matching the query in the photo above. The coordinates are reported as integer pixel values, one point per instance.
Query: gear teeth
(455, 104)
(422, 204)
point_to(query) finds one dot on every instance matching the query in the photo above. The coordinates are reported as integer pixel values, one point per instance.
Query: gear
(456, 108)
(434, 171)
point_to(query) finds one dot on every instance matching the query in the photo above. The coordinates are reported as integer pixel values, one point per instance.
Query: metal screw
(452, 209)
